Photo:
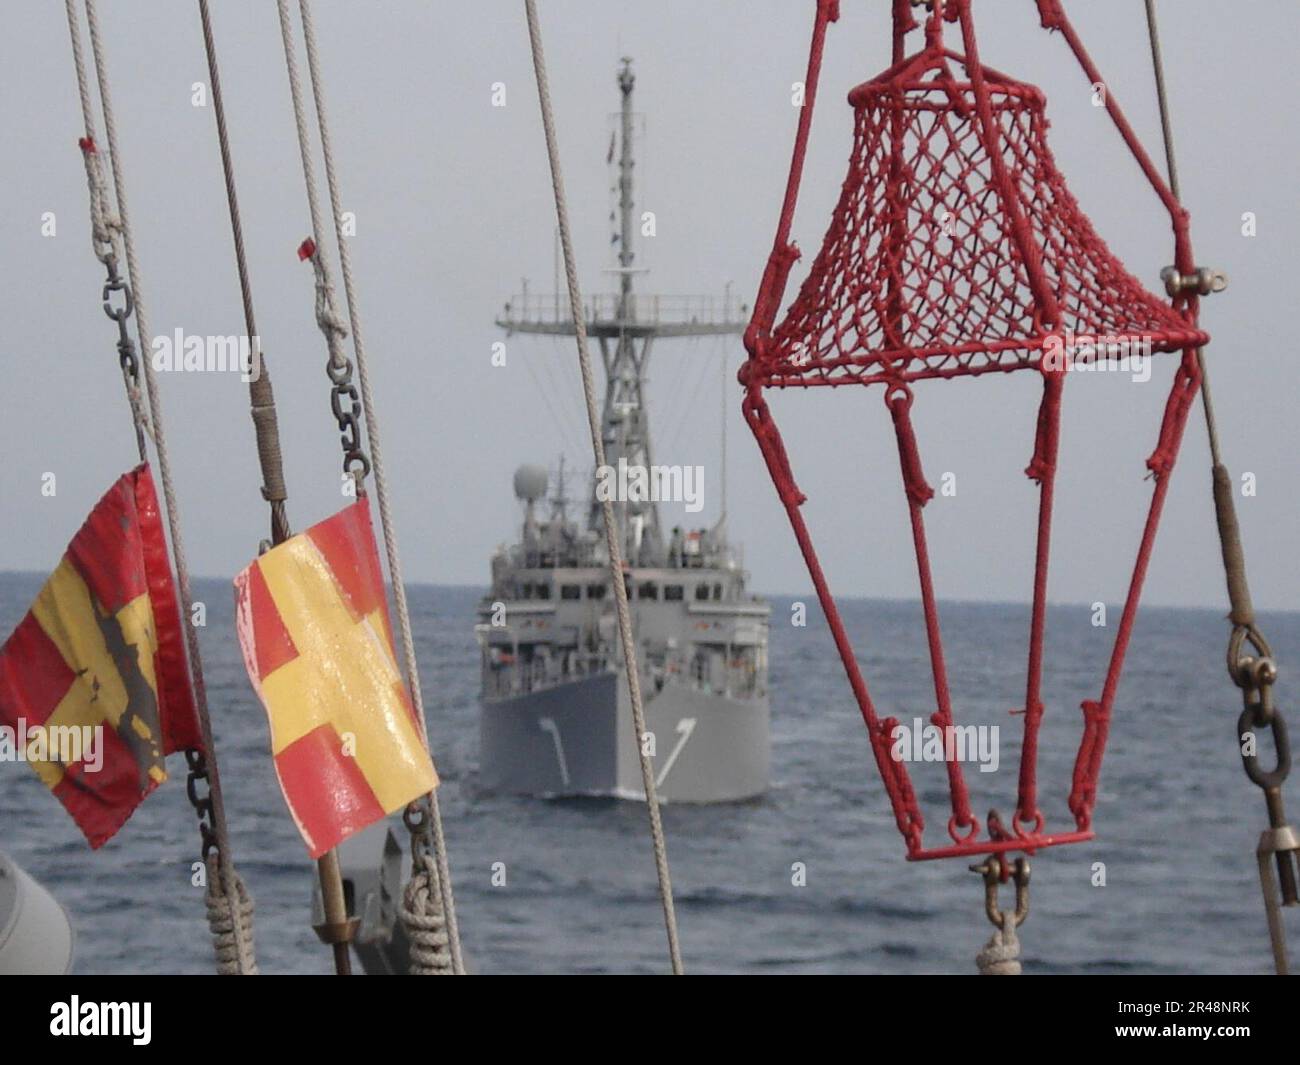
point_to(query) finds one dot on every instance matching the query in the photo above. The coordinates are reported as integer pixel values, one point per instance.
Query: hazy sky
(453, 208)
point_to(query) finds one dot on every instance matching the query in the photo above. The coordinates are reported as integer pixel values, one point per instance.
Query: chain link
(119, 306)
(1255, 674)
(345, 401)
(197, 763)
(418, 818)
(125, 345)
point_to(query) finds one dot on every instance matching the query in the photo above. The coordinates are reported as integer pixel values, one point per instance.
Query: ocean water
(1176, 819)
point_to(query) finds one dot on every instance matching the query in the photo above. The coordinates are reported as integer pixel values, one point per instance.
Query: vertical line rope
(261, 394)
(371, 423)
(1234, 558)
(607, 506)
(104, 228)
(381, 480)
(333, 336)
(226, 865)
(1171, 163)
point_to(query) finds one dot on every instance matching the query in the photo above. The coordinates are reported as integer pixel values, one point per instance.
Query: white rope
(371, 421)
(231, 887)
(105, 226)
(331, 324)
(227, 932)
(425, 922)
(611, 526)
(326, 316)
(1001, 954)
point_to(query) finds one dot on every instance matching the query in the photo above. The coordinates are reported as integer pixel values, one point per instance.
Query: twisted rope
(105, 226)
(331, 325)
(607, 508)
(367, 399)
(330, 321)
(425, 922)
(227, 933)
(1001, 954)
(245, 962)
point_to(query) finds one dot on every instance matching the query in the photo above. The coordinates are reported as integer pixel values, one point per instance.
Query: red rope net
(956, 249)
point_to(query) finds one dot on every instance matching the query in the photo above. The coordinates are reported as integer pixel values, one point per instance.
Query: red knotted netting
(956, 249)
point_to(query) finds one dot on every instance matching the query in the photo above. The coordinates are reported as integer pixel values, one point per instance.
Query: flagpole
(338, 928)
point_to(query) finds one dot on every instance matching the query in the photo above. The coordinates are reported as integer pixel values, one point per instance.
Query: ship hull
(578, 739)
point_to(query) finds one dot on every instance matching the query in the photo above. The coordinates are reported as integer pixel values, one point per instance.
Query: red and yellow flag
(94, 683)
(313, 625)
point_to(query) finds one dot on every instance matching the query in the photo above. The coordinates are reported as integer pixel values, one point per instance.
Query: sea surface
(1177, 821)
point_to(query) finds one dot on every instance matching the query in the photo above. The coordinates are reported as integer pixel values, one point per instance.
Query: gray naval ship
(555, 717)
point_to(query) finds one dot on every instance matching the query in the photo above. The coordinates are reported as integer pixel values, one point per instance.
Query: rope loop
(1242, 666)
(327, 318)
(1001, 954)
(955, 826)
(425, 922)
(234, 949)
(899, 394)
(422, 910)
(899, 398)
(1018, 823)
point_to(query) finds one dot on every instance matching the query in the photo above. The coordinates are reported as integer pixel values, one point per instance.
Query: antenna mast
(626, 325)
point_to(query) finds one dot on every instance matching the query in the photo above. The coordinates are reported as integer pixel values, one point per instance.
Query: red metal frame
(957, 250)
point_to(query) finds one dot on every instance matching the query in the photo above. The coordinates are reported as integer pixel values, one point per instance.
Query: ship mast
(626, 326)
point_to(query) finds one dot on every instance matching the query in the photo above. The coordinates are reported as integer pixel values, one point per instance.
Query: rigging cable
(1254, 673)
(425, 817)
(687, 409)
(230, 907)
(261, 395)
(607, 506)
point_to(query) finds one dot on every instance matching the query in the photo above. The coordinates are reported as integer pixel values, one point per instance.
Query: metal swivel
(1203, 281)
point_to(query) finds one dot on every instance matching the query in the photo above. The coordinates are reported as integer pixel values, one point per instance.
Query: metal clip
(1203, 281)
(1254, 715)
(1255, 675)
(117, 284)
(992, 869)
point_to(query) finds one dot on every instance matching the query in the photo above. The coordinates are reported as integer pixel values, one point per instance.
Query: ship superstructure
(555, 717)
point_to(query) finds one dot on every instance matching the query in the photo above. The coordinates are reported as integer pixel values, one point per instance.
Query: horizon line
(811, 595)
